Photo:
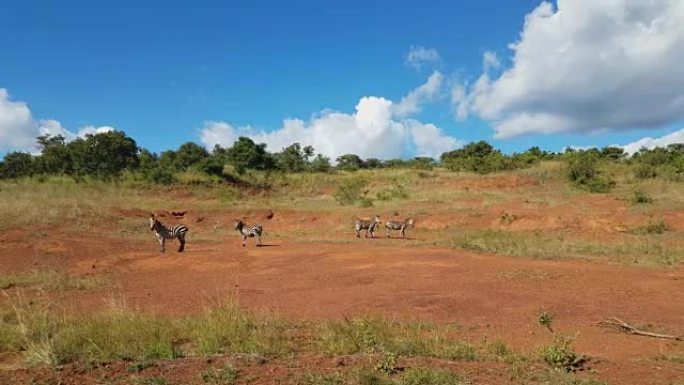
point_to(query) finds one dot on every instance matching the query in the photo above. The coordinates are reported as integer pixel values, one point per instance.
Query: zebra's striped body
(163, 233)
(249, 231)
(398, 225)
(366, 224)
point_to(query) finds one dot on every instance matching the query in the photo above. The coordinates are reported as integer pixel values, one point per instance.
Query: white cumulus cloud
(19, 130)
(378, 128)
(428, 92)
(648, 142)
(419, 56)
(586, 65)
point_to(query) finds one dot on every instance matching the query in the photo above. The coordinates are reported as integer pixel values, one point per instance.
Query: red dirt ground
(493, 296)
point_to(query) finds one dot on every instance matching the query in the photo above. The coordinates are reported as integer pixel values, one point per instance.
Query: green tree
(372, 163)
(16, 164)
(55, 157)
(104, 154)
(189, 154)
(293, 158)
(613, 152)
(245, 154)
(479, 157)
(394, 163)
(320, 164)
(349, 162)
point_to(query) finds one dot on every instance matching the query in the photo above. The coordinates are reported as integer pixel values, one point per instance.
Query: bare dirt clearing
(487, 257)
(493, 296)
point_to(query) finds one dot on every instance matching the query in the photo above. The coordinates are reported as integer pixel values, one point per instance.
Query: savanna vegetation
(597, 205)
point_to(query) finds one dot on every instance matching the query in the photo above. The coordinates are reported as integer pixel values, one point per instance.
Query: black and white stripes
(163, 233)
(398, 225)
(249, 231)
(366, 224)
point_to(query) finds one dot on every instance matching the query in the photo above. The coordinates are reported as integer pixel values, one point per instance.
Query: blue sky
(164, 72)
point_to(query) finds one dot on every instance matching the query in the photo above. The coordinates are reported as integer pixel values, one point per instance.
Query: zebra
(246, 231)
(398, 225)
(366, 224)
(163, 233)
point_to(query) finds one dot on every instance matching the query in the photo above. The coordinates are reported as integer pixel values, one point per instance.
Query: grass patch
(367, 335)
(51, 280)
(541, 246)
(658, 226)
(225, 375)
(430, 377)
(49, 337)
(677, 358)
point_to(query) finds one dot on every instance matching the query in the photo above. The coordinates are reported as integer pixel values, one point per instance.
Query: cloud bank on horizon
(19, 130)
(378, 128)
(585, 66)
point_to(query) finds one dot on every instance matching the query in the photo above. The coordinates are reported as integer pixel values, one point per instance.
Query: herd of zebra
(179, 231)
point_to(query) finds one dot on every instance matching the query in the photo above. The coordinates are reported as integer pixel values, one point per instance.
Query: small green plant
(560, 354)
(225, 375)
(545, 319)
(387, 364)
(640, 197)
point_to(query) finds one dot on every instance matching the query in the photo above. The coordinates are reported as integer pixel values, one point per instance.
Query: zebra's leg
(403, 234)
(388, 233)
(358, 233)
(244, 240)
(161, 243)
(181, 239)
(258, 240)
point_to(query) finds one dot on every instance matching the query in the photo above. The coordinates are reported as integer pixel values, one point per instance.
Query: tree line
(108, 155)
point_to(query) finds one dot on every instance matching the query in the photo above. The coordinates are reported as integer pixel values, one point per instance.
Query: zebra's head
(376, 219)
(153, 221)
(409, 222)
(239, 225)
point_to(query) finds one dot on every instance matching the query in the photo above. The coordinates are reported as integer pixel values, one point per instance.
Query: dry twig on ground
(629, 329)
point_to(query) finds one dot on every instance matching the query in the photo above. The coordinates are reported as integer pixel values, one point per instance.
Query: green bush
(583, 172)
(640, 197)
(645, 171)
(560, 354)
(352, 190)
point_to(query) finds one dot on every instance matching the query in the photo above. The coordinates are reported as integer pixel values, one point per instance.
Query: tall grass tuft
(51, 337)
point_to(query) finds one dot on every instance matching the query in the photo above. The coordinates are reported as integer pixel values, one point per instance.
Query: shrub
(583, 172)
(351, 190)
(560, 354)
(397, 190)
(640, 197)
(645, 171)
